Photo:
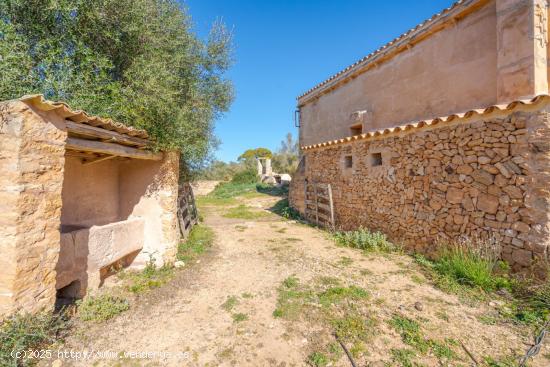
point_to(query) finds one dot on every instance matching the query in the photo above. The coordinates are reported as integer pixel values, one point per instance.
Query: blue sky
(284, 47)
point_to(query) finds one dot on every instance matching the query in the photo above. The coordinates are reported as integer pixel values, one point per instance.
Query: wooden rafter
(110, 149)
(104, 134)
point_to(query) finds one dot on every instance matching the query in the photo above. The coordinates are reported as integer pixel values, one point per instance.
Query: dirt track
(249, 262)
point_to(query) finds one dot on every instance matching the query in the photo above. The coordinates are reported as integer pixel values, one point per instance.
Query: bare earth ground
(249, 261)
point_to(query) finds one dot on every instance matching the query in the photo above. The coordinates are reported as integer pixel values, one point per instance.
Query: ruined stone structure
(77, 195)
(374, 132)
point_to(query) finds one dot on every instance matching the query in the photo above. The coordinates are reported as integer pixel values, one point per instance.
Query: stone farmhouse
(442, 133)
(78, 195)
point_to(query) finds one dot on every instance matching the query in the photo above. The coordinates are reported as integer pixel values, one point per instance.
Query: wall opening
(348, 161)
(356, 129)
(67, 295)
(376, 159)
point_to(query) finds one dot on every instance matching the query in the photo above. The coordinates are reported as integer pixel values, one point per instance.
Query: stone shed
(78, 194)
(440, 134)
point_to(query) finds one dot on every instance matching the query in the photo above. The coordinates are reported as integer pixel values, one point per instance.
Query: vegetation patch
(283, 209)
(22, 332)
(102, 307)
(200, 238)
(230, 303)
(150, 277)
(412, 335)
(365, 240)
(239, 317)
(243, 212)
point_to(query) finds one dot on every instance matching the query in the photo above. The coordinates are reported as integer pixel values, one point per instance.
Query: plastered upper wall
(495, 53)
(90, 193)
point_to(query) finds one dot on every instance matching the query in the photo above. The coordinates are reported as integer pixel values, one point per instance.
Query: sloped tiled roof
(418, 125)
(62, 109)
(402, 40)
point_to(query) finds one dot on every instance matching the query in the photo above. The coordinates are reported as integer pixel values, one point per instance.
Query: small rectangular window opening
(348, 161)
(356, 130)
(376, 159)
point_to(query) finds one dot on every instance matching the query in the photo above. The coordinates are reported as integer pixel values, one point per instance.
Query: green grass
(470, 268)
(282, 208)
(317, 359)
(230, 303)
(200, 238)
(365, 240)
(403, 357)
(239, 317)
(337, 295)
(411, 334)
(150, 277)
(29, 332)
(243, 212)
(101, 308)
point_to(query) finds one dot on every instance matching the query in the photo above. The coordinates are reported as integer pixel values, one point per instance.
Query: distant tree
(256, 153)
(136, 61)
(285, 160)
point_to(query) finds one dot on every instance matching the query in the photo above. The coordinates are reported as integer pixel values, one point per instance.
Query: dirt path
(220, 311)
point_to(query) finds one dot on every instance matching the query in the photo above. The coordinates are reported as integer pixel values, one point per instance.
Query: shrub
(365, 240)
(473, 263)
(248, 176)
(101, 308)
(283, 209)
(29, 332)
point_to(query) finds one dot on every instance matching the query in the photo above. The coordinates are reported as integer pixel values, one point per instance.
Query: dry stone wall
(479, 178)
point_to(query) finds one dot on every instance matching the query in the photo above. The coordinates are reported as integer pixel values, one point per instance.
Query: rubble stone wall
(31, 162)
(479, 178)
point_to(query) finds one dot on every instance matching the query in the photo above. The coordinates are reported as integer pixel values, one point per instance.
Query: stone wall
(485, 176)
(31, 163)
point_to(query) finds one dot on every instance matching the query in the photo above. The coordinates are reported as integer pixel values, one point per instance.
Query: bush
(365, 240)
(248, 176)
(473, 263)
(101, 308)
(283, 209)
(29, 332)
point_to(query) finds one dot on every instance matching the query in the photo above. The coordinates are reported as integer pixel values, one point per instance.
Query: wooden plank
(111, 136)
(319, 205)
(88, 162)
(331, 205)
(111, 149)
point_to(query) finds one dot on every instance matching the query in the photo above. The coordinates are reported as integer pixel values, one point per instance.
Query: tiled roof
(457, 117)
(62, 109)
(403, 39)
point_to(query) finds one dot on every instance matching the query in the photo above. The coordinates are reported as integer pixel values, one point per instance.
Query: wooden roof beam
(111, 149)
(111, 136)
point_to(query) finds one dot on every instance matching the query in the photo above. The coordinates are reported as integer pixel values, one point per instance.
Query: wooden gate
(187, 210)
(319, 207)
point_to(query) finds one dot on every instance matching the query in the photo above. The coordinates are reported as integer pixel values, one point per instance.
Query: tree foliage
(255, 153)
(136, 61)
(285, 160)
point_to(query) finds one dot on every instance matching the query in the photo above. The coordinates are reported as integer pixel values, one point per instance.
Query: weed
(353, 328)
(317, 359)
(466, 266)
(325, 280)
(345, 261)
(365, 240)
(200, 238)
(243, 212)
(291, 282)
(239, 317)
(283, 208)
(101, 308)
(403, 357)
(150, 277)
(246, 295)
(240, 228)
(230, 303)
(337, 295)
(418, 279)
(22, 332)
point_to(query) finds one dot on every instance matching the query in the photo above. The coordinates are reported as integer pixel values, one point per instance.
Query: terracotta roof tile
(456, 117)
(63, 110)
